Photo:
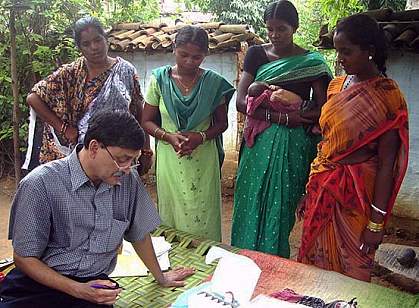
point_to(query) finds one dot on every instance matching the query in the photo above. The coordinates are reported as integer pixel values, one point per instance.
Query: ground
(399, 230)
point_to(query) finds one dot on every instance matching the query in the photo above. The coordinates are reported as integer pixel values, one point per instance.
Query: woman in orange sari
(362, 159)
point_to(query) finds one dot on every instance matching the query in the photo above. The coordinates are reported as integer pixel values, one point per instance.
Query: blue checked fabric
(75, 228)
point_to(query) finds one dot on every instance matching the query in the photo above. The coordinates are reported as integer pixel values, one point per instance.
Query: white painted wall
(225, 64)
(404, 68)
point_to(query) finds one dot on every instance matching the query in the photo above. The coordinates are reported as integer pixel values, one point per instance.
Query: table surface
(277, 274)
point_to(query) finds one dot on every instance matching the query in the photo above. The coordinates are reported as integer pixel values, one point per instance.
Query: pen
(101, 286)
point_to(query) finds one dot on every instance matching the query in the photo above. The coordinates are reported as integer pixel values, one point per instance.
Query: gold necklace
(187, 88)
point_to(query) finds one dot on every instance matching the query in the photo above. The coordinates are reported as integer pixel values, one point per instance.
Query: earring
(370, 58)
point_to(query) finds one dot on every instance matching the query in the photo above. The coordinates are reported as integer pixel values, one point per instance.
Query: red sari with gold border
(337, 204)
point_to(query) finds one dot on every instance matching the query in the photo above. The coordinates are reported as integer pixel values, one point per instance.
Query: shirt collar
(77, 175)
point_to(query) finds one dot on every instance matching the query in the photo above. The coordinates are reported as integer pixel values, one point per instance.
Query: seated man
(69, 217)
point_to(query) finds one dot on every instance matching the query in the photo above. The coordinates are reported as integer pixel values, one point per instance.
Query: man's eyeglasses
(120, 171)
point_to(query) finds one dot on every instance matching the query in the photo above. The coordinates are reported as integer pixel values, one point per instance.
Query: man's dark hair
(83, 24)
(282, 10)
(115, 128)
(364, 31)
(194, 35)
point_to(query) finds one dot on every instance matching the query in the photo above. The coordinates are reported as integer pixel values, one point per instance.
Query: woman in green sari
(273, 172)
(192, 103)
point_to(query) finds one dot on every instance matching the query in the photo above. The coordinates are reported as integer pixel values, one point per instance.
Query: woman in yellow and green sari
(192, 103)
(362, 159)
(273, 172)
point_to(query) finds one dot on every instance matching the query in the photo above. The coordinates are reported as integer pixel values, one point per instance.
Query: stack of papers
(129, 264)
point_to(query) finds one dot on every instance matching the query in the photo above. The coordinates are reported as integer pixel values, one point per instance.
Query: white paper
(236, 274)
(129, 264)
(217, 253)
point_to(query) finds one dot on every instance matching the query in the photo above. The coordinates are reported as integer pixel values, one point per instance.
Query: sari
(272, 174)
(337, 204)
(73, 98)
(189, 187)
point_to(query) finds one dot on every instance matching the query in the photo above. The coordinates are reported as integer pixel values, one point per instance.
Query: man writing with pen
(69, 217)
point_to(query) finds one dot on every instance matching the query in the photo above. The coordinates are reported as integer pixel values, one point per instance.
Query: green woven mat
(187, 250)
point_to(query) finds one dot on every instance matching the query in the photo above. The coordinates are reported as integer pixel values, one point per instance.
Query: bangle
(279, 118)
(203, 135)
(378, 210)
(146, 152)
(286, 119)
(162, 135)
(63, 127)
(374, 227)
(268, 112)
(155, 132)
(266, 115)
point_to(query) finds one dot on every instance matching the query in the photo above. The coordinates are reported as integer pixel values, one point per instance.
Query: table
(277, 274)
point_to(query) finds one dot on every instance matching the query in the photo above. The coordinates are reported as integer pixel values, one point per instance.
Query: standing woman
(66, 99)
(273, 172)
(192, 103)
(362, 159)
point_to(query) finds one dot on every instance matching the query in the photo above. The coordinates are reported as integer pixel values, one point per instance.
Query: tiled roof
(160, 37)
(400, 28)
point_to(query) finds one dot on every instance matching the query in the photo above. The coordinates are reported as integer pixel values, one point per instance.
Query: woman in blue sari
(273, 172)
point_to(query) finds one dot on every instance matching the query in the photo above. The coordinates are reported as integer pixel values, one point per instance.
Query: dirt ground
(399, 230)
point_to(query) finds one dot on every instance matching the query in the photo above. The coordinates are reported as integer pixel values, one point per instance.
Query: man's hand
(176, 277)
(97, 295)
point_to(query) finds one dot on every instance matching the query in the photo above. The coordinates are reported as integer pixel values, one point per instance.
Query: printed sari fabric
(339, 195)
(273, 172)
(189, 187)
(73, 98)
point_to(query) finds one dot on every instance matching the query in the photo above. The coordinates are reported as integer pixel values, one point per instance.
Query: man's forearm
(145, 251)
(42, 273)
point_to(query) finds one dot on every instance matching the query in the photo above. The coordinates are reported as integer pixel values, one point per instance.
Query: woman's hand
(285, 97)
(370, 241)
(145, 161)
(71, 134)
(176, 140)
(176, 277)
(194, 140)
(295, 120)
(301, 208)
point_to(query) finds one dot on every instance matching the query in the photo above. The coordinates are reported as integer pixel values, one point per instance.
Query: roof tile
(160, 37)
(400, 28)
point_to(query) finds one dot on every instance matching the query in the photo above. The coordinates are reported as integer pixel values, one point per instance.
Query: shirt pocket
(116, 234)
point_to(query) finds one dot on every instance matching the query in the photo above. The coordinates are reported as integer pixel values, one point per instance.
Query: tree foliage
(336, 10)
(397, 5)
(234, 11)
(43, 43)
